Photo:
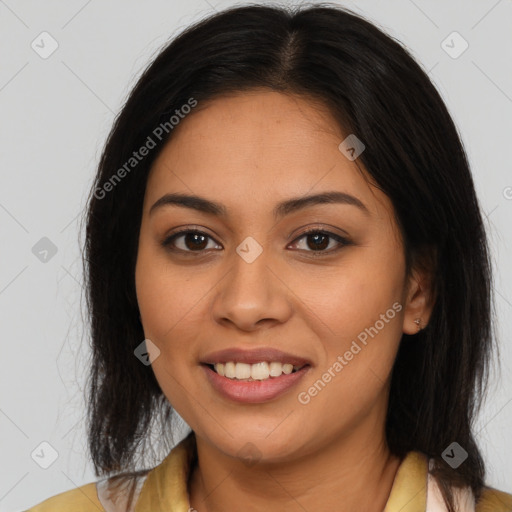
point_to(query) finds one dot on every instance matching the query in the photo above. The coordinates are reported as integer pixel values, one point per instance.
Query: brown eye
(191, 241)
(318, 241)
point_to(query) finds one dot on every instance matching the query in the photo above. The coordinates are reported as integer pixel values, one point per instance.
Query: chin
(258, 443)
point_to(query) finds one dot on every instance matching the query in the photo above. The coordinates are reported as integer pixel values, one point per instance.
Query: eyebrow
(284, 208)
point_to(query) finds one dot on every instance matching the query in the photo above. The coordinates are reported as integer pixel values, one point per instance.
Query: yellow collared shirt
(164, 489)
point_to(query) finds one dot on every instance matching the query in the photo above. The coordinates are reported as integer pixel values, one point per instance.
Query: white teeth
(257, 371)
(260, 371)
(242, 370)
(276, 369)
(229, 370)
(219, 368)
(287, 368)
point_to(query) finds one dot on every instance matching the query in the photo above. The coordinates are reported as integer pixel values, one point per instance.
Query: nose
(252, 294)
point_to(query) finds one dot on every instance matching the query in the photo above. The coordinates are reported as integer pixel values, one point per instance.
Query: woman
(284, 246)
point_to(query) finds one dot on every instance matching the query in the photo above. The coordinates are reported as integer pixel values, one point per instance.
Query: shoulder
(492, 500)
(81, 499)
(113, 494)
(121, 493)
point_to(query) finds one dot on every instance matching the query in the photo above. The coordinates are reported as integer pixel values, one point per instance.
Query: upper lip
(254, 356)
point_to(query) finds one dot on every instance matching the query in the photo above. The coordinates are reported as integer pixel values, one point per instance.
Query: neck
(346, 474)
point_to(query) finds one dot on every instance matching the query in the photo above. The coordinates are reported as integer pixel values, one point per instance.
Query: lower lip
(255, 391)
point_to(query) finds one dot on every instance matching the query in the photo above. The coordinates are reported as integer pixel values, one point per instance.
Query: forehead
(257, 148)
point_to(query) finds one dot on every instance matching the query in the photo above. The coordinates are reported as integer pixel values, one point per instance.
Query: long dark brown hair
(376, 90)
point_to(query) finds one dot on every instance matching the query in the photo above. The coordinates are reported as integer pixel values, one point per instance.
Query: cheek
(353, 294)
(169, 299)
(351, 379)
(358, 317)
(169, 303)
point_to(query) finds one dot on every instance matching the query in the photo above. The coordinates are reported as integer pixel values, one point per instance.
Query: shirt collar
(165, 488)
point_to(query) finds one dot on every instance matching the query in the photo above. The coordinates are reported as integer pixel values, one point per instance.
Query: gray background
(55, 114)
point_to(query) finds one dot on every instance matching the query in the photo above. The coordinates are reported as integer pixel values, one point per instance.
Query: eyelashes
(169, 242)
(195, 242)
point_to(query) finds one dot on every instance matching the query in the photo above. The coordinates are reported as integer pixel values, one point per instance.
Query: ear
(419, 300)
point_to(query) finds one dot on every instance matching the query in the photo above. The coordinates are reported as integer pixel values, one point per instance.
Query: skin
(249, 152)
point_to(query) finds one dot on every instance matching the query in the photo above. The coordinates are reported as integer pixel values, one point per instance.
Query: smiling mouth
(253, 372)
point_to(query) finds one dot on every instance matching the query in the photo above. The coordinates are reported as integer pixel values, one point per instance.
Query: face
(332, 303)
